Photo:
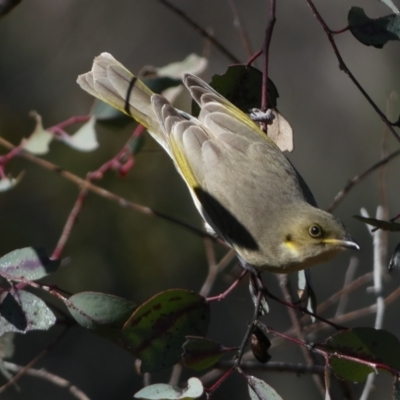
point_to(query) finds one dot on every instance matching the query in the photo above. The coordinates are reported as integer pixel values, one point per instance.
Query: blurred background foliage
(46, 44)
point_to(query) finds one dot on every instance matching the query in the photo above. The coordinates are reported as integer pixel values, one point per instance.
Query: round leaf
(373, 32)
(22, 311)
(162, 391)
(102, 313)
(30, 262)
(375, 346)
(259, 390)
(156, 331)
(201, 353)
(242, 85)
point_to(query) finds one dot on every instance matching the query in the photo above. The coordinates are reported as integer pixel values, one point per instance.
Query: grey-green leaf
(102, 313)
(260, 390)
(22, 311)
(30, 263)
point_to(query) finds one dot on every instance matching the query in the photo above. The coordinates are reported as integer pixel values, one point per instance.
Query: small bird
(244, 187)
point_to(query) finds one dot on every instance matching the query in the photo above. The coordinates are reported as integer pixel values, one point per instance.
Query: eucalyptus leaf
(373, 32)
(22, 311)
(30, 263)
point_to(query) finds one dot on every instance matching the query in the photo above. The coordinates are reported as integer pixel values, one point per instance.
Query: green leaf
(156, 331)
(242, 85)
(162, 391)
(259, 390)
(22, 311)
(373, 32)
(384, 225)
(102, 313)
(375, 346)
(30, 263)
(201, 353)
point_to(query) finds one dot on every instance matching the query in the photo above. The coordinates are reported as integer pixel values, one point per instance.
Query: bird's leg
(257, 292)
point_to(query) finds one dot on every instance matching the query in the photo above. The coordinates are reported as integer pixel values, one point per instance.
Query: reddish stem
(72, 218)
(345, 29)
(217, 384)
(70, 121)
(229, 290)
(342, 66)
(253, 58)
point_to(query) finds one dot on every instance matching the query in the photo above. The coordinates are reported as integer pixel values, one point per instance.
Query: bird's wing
(238, 175)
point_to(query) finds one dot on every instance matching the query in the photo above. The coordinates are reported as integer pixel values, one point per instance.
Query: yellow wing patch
(183, 164)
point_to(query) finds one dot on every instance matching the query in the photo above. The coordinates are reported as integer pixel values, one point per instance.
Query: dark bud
(260, 345)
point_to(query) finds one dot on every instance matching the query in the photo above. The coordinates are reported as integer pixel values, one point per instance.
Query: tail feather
(112, 83)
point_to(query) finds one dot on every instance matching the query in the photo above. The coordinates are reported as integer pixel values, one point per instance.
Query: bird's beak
(347, 242)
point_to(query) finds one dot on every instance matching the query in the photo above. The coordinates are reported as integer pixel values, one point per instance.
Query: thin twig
(253, 58)
(82, 183)
(343, 67)
(352, 182)
(271, 366)
(360, 281)
(122, 161)
(54, 379)
(175, 374)
(377, 288)
(200, 30)
(317, 348)
(21, 372)
(308, 312)
(391, 103)
(238, 23)
(215, 269)
(356, 314)
(294, 317)
(256, 315)
(348, 279)
(230, 288)
(212, 269)
(71, 220)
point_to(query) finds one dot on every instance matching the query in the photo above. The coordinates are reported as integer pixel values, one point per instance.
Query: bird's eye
(315, 231)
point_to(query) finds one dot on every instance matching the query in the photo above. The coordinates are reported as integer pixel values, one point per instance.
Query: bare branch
(82, 183)
(352, 182)
(42, 374)
(200, 30)
(342, 66)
